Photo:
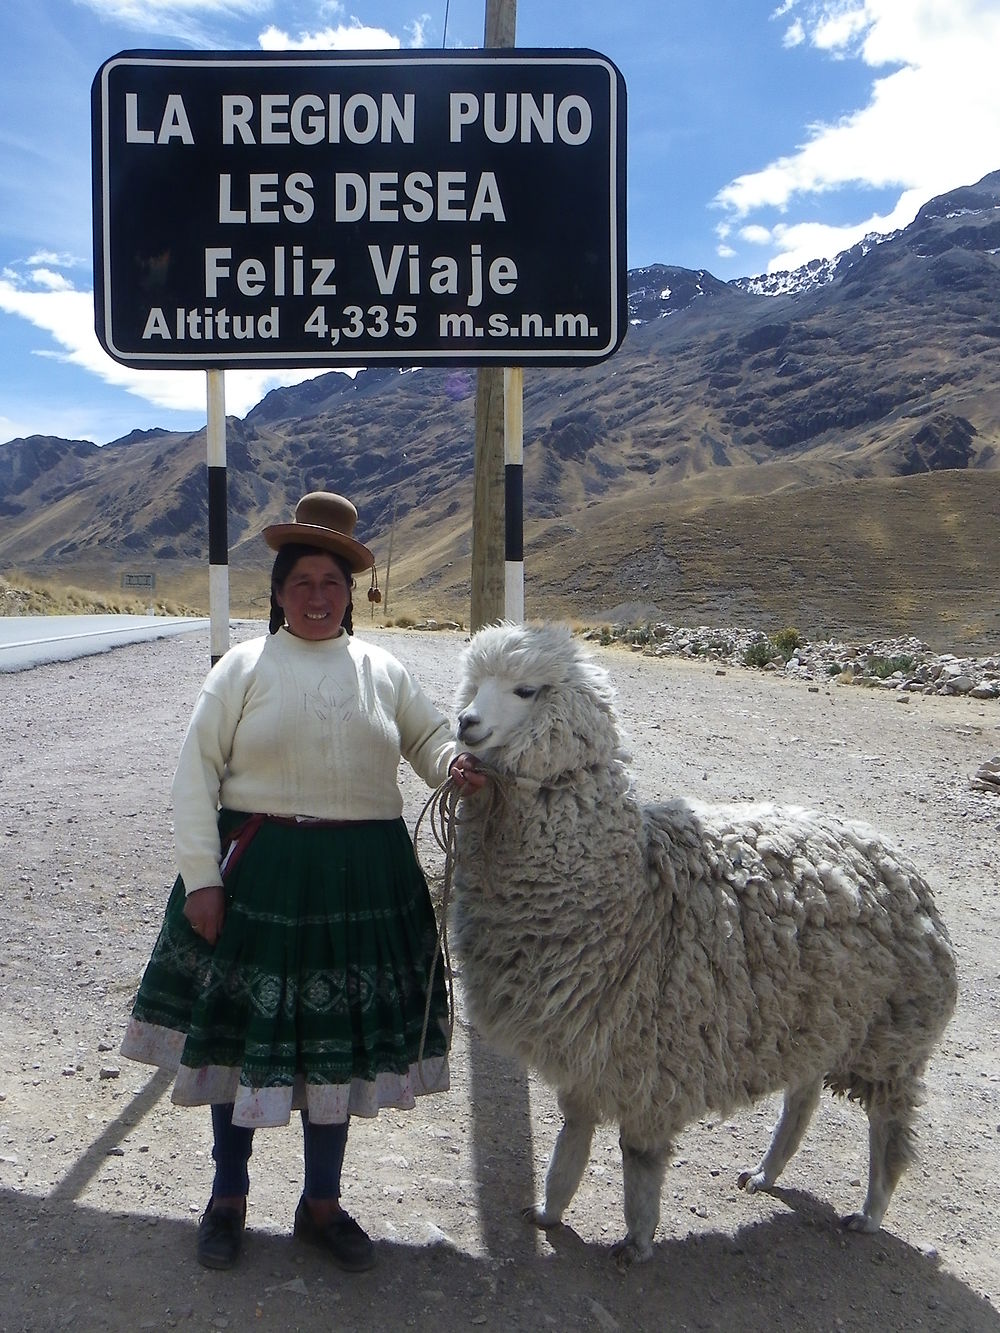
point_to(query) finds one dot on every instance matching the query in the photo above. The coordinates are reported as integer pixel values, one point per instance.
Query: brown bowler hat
(326, 520)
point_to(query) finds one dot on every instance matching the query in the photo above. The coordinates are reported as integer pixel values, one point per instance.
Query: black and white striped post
(513, 476)
(218, 517)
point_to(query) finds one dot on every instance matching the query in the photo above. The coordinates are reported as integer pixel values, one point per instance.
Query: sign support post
(513, 456)
(218, 516)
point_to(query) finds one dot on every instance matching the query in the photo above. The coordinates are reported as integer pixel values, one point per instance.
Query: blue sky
(761, 134)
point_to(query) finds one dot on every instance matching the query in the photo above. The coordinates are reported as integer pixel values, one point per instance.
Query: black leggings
(323, 1149)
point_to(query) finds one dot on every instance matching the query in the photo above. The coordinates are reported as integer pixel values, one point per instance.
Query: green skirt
(315, 994)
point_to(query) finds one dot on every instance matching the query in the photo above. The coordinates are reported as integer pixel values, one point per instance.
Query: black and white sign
(138, 582)
(294, 209)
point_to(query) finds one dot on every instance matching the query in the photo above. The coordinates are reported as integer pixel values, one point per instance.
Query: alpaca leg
(643, 1169)
(796, 1112)
(890, 1151)
(567, 1164)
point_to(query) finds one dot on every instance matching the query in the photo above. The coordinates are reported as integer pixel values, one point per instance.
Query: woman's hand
(465, 772)
(205, 909)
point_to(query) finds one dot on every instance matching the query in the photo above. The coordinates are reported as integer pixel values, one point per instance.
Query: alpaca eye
(525, 691)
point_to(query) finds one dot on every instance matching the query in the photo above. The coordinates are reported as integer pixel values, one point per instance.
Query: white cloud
(67, 316)
(838, 25)
(754, 235)
(418, 30)
(64, 423)
(52, 259)
(188, 20)
(55, 282)
(798, 244)
(930, 124)
(352, 36)
(151, 13)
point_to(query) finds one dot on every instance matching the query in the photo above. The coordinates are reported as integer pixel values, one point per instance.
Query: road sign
(296, 209)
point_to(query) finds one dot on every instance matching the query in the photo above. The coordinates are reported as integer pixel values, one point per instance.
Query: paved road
(27, 641)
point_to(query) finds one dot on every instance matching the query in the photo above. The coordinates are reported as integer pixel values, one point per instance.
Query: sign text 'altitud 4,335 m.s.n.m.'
(407, 207)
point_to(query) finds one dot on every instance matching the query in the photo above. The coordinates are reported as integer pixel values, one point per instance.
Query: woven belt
(242, 836)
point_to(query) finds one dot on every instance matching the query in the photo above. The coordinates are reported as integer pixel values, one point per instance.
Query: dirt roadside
(102, 1179)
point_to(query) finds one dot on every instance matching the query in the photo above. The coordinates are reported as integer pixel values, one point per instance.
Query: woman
(295, 956)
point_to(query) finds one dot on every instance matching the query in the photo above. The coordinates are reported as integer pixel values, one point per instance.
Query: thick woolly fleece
(659, 963)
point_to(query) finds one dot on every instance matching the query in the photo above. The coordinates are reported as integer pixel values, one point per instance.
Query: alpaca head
(531, 701)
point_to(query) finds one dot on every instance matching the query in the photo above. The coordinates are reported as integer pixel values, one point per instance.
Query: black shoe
(346, 1243)
(220, 1236)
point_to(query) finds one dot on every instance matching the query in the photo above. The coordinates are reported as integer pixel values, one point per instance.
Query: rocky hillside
(824, 454)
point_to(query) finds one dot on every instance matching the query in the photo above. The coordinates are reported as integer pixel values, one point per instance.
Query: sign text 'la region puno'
(284, 209)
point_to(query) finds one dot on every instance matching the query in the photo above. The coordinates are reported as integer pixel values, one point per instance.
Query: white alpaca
(657, 963)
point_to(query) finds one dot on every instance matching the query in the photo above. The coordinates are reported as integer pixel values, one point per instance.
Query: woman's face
(314, 597)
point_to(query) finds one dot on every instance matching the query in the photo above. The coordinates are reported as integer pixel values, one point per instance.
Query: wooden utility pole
(488, 523)
(501, 20)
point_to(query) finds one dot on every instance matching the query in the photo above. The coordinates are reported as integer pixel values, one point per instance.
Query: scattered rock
(988, 775)
(902, 664)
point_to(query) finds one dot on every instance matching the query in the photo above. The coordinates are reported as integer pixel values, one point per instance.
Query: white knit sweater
(288, 726)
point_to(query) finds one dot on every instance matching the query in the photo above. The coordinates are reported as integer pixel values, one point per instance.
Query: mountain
(817, 448)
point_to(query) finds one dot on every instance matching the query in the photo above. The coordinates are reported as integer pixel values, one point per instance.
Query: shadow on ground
(796, 1270)
(67, 1264)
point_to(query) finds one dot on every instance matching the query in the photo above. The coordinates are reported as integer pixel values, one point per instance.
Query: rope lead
(442, 807)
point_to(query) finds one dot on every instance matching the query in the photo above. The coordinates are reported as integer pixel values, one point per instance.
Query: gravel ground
(102, 1179)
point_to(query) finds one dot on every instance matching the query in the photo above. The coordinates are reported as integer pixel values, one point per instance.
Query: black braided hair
(285, 561)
